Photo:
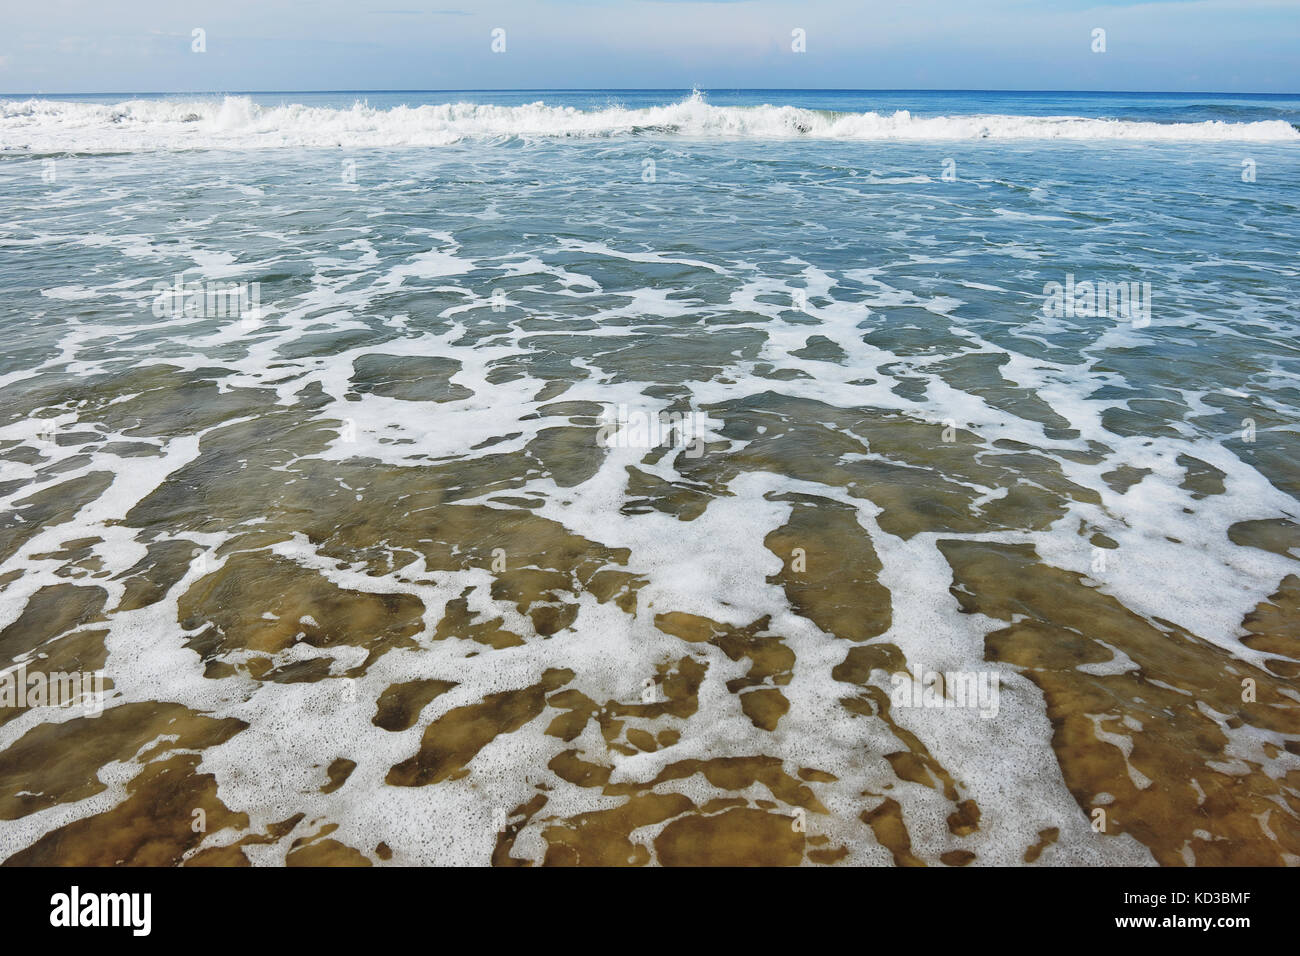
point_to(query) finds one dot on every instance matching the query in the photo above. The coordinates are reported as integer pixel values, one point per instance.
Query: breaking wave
(237, 122)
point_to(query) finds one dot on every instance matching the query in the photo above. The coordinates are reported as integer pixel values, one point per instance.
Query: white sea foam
(236, 122)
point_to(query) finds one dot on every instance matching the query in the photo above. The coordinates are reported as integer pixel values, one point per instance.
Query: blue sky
(145, 45)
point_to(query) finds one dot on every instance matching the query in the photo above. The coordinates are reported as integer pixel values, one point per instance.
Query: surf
(43, 126)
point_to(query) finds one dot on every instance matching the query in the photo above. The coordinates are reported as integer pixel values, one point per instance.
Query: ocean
(650, 477)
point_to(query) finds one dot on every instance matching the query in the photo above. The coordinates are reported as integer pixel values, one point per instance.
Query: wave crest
(237, 122)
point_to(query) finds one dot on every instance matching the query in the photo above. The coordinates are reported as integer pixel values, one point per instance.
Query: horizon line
(659, 89)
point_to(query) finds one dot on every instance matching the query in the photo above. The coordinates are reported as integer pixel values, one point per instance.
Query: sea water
(639, 476)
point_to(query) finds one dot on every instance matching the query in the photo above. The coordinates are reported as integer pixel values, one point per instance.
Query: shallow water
(368, 583)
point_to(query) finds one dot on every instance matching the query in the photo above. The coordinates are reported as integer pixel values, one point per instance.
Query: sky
(112, 46)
